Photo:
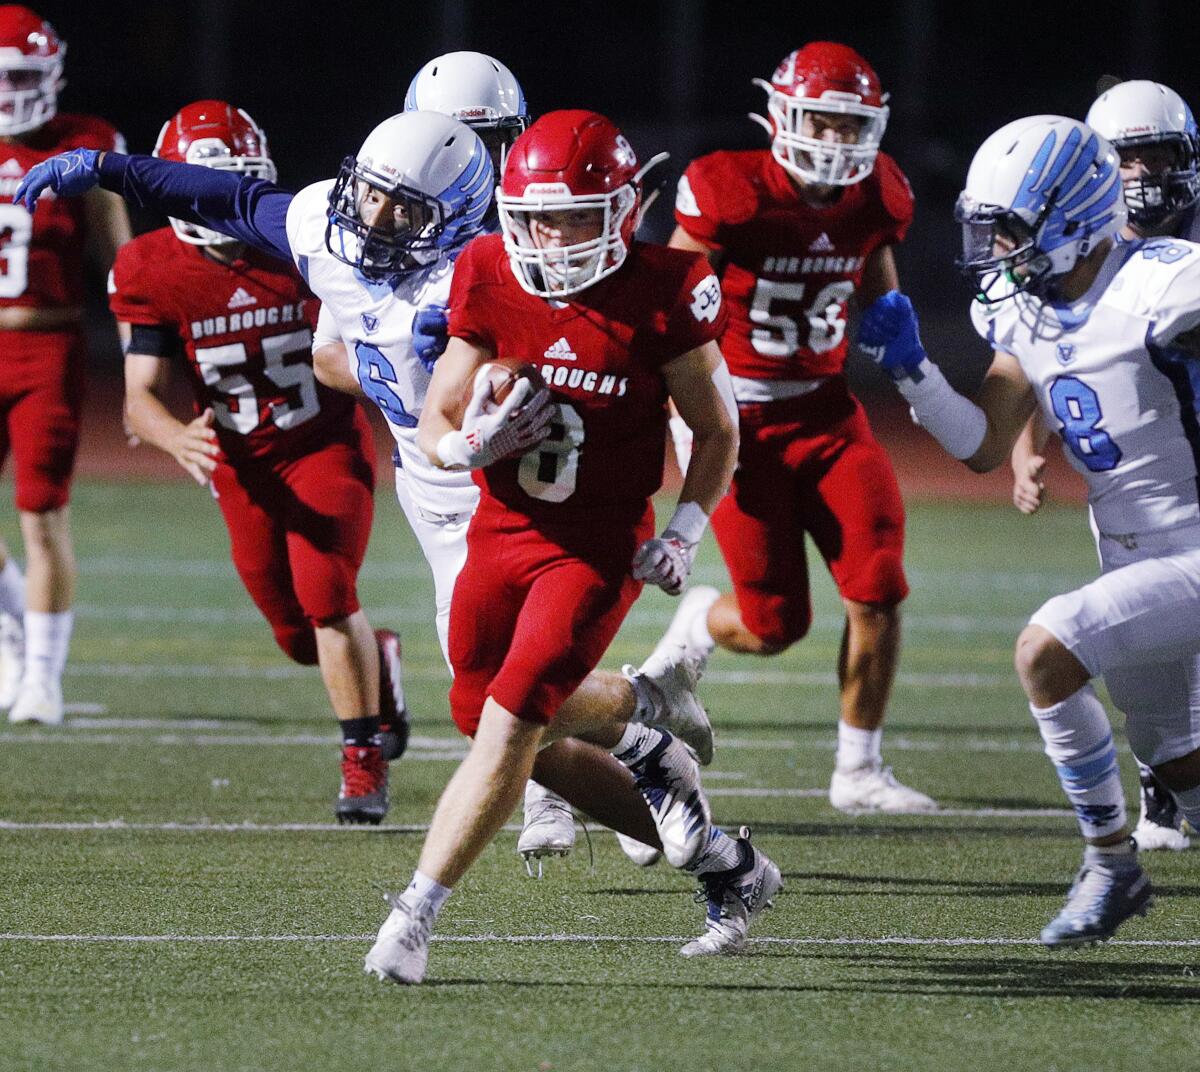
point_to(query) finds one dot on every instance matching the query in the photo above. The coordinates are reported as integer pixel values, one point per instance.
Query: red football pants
(41, 399)
(810, 465)
(298, 531)
(535, 609)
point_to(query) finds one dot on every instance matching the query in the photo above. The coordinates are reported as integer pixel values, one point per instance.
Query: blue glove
(429, 334)
(889, 332)
(70, 174)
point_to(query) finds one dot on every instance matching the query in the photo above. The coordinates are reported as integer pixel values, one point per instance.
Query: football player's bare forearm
(150, 420)
(332, 369)
(714, 455)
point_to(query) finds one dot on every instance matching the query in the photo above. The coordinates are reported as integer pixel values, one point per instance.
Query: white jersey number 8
(549, 471)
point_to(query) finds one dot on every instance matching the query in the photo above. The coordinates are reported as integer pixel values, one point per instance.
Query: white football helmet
(1041, 193)
(1141, 113)
(474, 89)
(433, 167)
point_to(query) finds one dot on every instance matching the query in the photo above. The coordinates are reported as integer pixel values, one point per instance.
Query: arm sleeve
(154, 340)
(251, 210)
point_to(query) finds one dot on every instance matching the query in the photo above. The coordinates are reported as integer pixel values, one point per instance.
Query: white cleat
(401, 950)
(734, 898)
(38, 701)
(642, 855)
(12, 658)
(669, 780)
(876, 789)
(549, 827)
(1150, 836)
(693, 606)
(670, 686)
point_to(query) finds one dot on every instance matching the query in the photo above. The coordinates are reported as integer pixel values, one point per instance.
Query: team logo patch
(241, 298)
(370, 323)
(685, 200)
(1065, 353)
(706, 299)
(561, 351)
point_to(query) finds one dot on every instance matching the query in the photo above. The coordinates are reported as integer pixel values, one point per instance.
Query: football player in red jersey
(42, 357)
(291, 462)
(795, 232)
(563, 535)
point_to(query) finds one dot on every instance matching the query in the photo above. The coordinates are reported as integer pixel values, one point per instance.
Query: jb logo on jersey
(706, 299)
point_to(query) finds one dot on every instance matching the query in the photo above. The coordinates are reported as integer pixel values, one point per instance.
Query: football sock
(1119, 857)
(1078, 739)
(636, 743)
(721, 854)
(698, 634)
(857, 748)
(47, 638)
(423, 888)
(360, 732)
(1189, 803)
(12, 589)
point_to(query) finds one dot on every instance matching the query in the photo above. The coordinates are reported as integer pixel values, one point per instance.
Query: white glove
(666, 561)
(519, 423)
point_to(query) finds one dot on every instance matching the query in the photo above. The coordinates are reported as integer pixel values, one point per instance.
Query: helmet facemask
(1000, 254)
(816, 160)
(1154, 198)
(560, 271)
(32, 100)
(381, 253)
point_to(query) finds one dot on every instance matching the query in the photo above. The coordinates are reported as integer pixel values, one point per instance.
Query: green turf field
(187, 801)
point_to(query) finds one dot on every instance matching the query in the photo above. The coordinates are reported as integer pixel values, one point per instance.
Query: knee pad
(776, 620)
(881, 580)
(299, 643)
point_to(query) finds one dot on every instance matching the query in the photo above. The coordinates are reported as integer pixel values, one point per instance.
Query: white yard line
(576, 939)
(437, 672)
(209, 827)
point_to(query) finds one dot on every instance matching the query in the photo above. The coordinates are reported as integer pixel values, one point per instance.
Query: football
(503, 375)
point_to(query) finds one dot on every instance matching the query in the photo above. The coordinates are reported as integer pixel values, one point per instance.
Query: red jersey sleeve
(713, 193)
(132, 295)
(469, 306)
(896, 200)
(698, 314)
(90, 132)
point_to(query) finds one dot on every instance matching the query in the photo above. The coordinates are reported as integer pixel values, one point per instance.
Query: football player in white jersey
(1156, 138)
(1102, 336)
(377, 246)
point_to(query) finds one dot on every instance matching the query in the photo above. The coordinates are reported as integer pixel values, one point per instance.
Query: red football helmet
(566, 163)
(216, 135)
(824, 77)
(31, 69)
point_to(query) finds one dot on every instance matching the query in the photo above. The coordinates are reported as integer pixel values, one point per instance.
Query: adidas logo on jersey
(561, 351)
(241, 298)
(821, 244)
(10, 169)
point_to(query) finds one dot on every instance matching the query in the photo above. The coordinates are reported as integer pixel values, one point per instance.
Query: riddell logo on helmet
(547, 189)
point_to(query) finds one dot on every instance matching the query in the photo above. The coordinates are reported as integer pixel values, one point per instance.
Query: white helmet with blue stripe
(475, 89)
(438, 176)
(1137, 114)
(1041, 194)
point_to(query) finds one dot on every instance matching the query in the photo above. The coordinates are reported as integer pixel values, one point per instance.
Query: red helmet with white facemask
(835, 81)
(569, 162)
(214, 134)
(31, 70)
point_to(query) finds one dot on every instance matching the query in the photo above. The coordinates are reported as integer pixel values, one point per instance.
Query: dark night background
(674, 74)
